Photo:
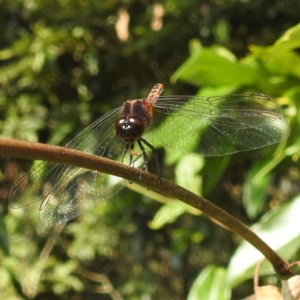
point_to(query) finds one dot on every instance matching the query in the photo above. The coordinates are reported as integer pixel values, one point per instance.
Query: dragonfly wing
(80, 190)
(66, 191)
(219, 125)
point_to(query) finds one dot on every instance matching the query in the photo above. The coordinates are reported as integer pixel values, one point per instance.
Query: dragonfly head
(129, 129)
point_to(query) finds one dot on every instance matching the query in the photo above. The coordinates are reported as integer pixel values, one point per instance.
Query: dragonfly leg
(134, 153)
(124, 152)
(155, 156)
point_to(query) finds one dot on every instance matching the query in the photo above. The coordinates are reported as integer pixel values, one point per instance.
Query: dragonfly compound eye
(129, 129)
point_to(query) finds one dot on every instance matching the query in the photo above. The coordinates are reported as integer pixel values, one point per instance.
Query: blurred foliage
(210, 284)
(64, 63)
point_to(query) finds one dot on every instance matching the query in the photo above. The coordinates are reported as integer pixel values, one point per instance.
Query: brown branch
(20, 149)
(106, 286)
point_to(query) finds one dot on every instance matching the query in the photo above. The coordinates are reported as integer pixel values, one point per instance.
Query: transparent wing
(219, 125)
(210, 126)
(66, 191)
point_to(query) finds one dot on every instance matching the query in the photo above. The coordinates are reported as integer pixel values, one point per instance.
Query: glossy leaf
(210, 285)
(280, 230)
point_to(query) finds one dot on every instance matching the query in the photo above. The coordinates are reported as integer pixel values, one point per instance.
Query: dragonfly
(210, 126)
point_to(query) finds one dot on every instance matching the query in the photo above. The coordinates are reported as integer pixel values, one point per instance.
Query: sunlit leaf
(168, 213)
(215, 66)
(210, 285)
(279, 229)
(187, 173)
(289, 41)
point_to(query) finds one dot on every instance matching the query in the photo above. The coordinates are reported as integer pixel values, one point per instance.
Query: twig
(31, 290)
(20, 149)
(106, 286)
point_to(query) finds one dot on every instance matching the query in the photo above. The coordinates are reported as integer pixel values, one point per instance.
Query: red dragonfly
(211, 126)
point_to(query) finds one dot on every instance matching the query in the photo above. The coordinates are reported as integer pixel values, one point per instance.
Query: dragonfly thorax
(129, 129)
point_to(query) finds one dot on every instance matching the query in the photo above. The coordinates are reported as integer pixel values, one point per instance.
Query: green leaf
(284, 63)
(257, 182)
(172, 156)
(187, 172)
(210, 179)
(168, 214)
(194, 46)
(210, 285)
(60, 133)
(217, 90)
(255, 191)
(289, 41)
(280, 230)
(215, 66)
